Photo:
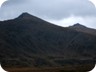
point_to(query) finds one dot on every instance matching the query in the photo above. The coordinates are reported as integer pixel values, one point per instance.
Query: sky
(59, 12)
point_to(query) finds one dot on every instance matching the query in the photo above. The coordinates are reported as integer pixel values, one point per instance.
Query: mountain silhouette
(28, 41)
(84, 29)
(27, 16)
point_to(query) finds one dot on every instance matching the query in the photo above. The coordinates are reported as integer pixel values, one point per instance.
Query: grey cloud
(52, 9)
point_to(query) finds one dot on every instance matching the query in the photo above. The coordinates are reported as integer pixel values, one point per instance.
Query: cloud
(55, 9)
(87, 21)
(49, 10)
(58, 9)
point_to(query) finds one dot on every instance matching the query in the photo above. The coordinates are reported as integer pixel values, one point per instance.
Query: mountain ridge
(37, 43)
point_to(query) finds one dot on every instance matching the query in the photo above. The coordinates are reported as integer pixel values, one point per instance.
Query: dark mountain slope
(84, 29)
(30, 41)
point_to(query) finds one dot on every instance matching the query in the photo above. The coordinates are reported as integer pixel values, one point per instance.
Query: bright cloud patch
(88, 21)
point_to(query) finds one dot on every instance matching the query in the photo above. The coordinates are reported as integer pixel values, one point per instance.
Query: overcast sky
(60, 12)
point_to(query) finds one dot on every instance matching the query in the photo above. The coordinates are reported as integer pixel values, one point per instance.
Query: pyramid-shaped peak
(26, 16)
(79, 25)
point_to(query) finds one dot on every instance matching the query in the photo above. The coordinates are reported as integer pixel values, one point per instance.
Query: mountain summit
(27, 16)
(78, 26)
(82, 28)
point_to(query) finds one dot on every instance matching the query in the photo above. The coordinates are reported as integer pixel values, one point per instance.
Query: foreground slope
(28, 41)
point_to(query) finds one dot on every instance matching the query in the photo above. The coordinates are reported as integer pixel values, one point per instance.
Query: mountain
(84, 29)
(28, 41)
